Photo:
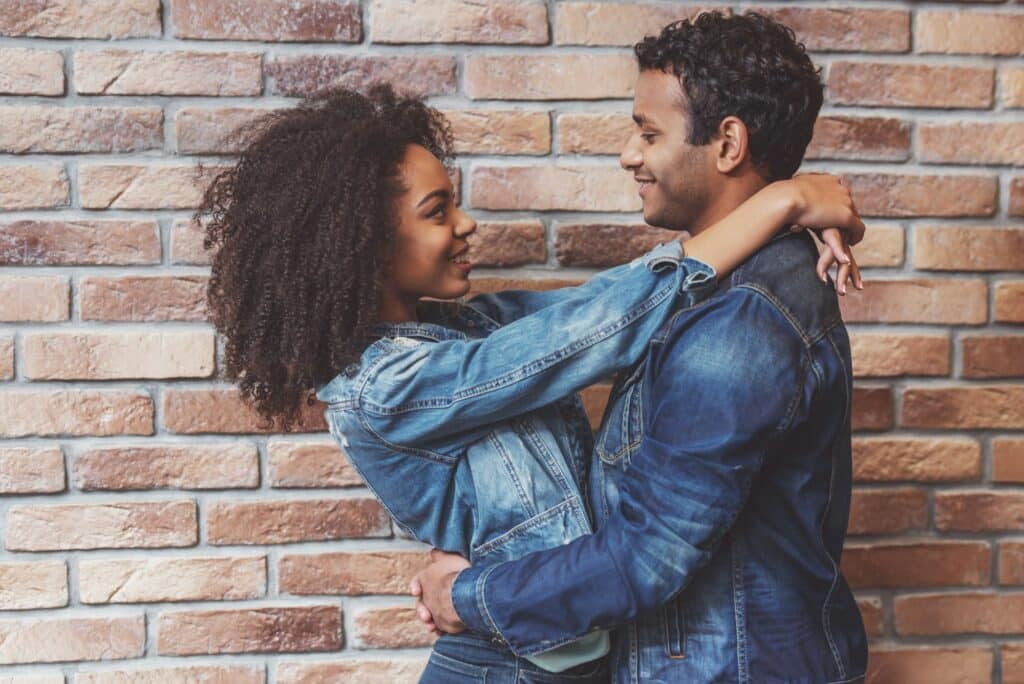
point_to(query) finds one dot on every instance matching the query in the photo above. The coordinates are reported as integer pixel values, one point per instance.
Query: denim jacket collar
(439, 321)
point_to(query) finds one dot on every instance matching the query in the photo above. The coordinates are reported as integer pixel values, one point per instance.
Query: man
(721, 477)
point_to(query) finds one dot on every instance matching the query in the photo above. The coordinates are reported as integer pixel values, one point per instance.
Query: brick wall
(148, 523)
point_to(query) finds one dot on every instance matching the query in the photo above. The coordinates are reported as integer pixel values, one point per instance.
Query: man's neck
(733, 193)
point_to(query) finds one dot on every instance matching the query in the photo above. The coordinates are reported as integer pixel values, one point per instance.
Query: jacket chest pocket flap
(622, 427)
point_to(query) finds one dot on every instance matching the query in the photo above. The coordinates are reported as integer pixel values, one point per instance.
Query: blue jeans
(470, 659)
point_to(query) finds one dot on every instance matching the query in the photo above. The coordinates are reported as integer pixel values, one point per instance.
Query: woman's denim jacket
(466, 426)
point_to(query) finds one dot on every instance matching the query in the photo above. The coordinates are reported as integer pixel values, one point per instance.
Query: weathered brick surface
(24, 71)
(75, 355)
(990, 356)
(127, 72)
(945, 665)
(1008, 460)
(52, 640)
(33, 584)
(872, 615)
(309, 465)
(156, 466)
(1013, 87)
(915, 459)
(460, 21)
(996, 406)
(882, 246)
(888, 355)
(888, 511)
(270, 20)
(594, 133)
(872, 408)
(483, 131)
(24, 186)
(126, 524)
(138, 580)
(860, 137)
(891, 84)
(194, 411)
(74, 412)
(917, 301)
(350, 574)
(1009, 302)
(921, 564)
(78, 242)
(972, 33)
(81, 18)
(6, 357)
(1011, 562)
(938, 614)
(38, 298)
(615, 23)
(299, 75)
(549, 77)
(129, 186)
(391, 628)
(59, 130)
(30, 470)
(185, 674)
(143, 298)
(972, 143)
(253, 629)
(968, 248)
(580, 188)
(279, 522)
(512, 243)
(918, 195)
(846, 30)
(392, 671)
(978, 511)
(579, 244)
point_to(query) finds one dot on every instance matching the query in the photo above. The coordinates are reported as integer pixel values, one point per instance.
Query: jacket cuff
(667, 254)
(468, 600)
(699, 275)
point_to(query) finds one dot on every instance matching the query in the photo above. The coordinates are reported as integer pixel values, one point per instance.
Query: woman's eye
(436, 212)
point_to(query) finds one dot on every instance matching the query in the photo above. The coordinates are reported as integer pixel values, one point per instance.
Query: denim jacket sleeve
(438, 396)
(511, 305)
(714, 405)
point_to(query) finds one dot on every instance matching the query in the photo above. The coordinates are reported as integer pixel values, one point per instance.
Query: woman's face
(429, 258)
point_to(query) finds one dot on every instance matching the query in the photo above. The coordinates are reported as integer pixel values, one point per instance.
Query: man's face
(675, 178)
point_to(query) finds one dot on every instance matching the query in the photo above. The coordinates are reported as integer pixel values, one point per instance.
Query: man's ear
(733, 144)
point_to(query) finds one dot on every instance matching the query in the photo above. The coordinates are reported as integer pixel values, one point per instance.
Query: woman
(337, 232)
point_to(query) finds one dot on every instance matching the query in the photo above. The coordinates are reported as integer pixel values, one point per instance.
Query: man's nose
(630, 158)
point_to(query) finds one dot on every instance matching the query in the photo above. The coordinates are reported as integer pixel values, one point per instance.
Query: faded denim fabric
(721, 484)
(466, 426)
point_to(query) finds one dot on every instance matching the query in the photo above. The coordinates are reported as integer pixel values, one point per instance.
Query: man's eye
(648, 137)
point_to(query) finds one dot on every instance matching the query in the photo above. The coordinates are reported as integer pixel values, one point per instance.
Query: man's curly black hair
(748, 66)
(301, 227)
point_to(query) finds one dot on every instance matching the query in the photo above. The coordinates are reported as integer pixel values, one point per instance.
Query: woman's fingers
(825, 261)
(833, 238)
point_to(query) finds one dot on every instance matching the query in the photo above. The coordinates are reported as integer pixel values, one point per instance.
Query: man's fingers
(435, 555)
(423, 613)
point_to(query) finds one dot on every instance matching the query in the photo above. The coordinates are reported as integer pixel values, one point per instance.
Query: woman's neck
(396, 309)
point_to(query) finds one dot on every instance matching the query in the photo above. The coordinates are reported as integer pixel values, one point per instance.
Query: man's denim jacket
(721, 486)
(466, 425)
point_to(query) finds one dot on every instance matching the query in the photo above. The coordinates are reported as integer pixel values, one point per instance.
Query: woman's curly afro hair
(748, 66)
(301, 230)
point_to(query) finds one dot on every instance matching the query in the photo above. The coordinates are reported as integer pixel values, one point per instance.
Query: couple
(697, 537)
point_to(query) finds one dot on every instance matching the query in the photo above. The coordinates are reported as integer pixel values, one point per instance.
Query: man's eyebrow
(443, 194)
(640, 119)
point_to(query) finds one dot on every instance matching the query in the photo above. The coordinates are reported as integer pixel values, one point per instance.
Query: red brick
(968, 248)
(156, 466)
(485, 131)
(917, 564)
(979, 511)
(847, 29)
(1008, 460)
(872, 614)
(1009, 304)
(158, 579)
(394, 670)
(549, 77)
(120, 525)
(873, 138)
(593, 133)
(460, 21)
(268, 20)
(195, 411)
(997, 406)
(100, 355)
(947, 665)
(887, 511)
(614, 23)
(65, 243)
(73, 412)
(131, 72)
(131, 186)
(300, 75)
(6, 357)
(38, 298)
(187, 244)
(909, 195)
(511, 243)
(52, 640)
(910, 85)
(882, 355)
(142, 298)
(881, 247)
(210, 130)
(250, 630)
(27, 470)
(24, 71)
(872, 408)
(309, 465)
(971, 143)
(24, 186)
(915, 459)
(975, 613)
(582, 244)
(81, 18)
(211, 674)
(993, 356)
(917, 301)
(60, 130)
(488, 285)
(1012, 656)
(350, 574)
(1016, 207)
(39, 584)
(1013, 88)
(1011, 562)
(280, 522)
(970, 33)
(396, 627)
(543, 188)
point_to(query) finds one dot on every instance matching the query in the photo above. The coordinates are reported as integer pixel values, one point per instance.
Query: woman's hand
(822, 203)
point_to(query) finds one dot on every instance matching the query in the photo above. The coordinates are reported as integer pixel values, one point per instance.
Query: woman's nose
(465, 225)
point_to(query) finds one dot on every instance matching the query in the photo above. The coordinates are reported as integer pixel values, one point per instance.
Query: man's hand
(433, 589)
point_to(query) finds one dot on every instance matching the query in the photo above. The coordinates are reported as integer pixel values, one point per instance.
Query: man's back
(729, 446)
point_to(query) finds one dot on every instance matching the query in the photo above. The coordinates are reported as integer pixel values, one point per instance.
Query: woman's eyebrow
(443, 194)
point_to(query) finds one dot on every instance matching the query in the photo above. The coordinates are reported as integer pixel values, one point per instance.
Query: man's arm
(727, 384)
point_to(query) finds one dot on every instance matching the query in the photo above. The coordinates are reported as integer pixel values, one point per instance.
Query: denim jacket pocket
(552, 527)
(622, 426)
